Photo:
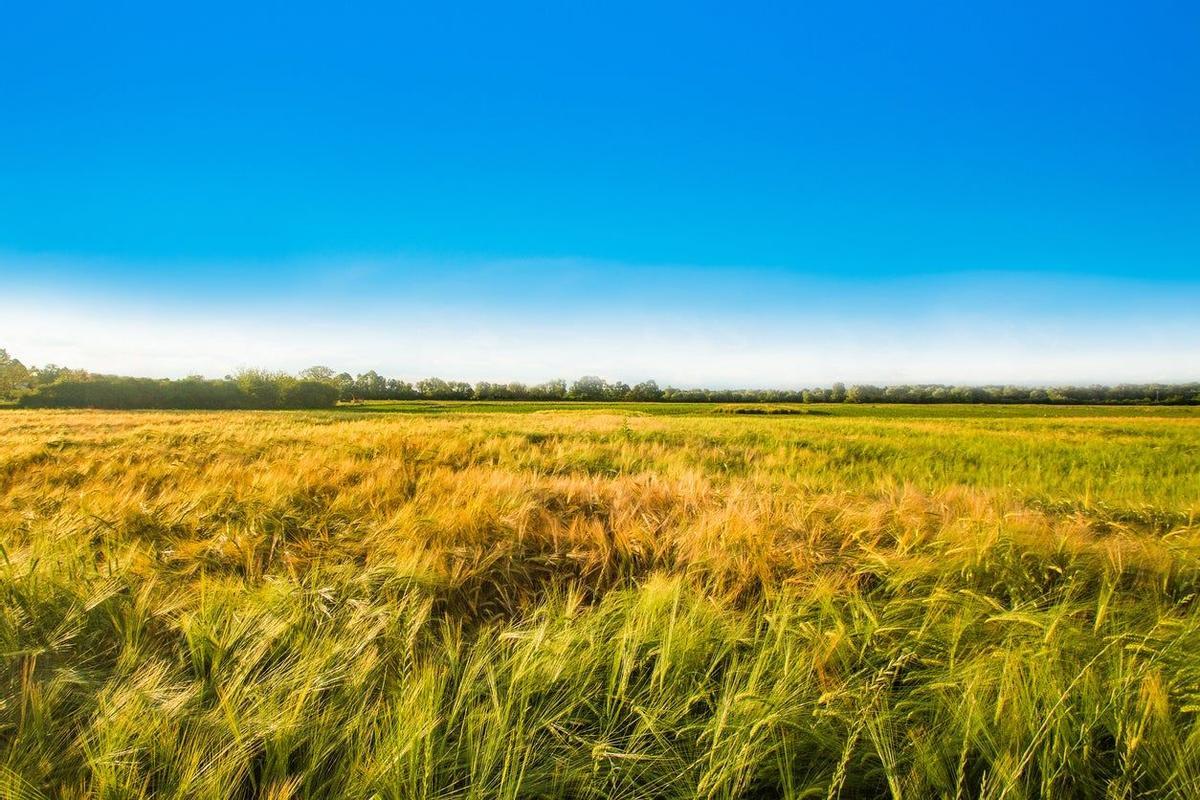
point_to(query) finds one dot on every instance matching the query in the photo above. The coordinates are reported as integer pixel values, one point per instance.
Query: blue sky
(750, 194)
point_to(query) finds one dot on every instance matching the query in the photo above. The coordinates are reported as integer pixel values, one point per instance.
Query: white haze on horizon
(672, 349)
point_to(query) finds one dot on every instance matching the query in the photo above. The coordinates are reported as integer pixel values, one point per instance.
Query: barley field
(439, 601)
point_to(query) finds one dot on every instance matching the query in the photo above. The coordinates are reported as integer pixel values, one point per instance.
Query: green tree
(13, 375)
(345, 383)
(550, 390)
(262, 389)
(646, 391)
(589, 387)
(318, 373)
(864, 393)
(433, 389)
(308, 394)
(370, 386)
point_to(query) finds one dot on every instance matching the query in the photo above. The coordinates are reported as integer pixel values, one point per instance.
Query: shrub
(255, 390)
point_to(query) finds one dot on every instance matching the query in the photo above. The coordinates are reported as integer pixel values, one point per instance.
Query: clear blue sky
(736, 193)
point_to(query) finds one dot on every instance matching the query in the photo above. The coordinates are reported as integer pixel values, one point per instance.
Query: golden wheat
(598, 605)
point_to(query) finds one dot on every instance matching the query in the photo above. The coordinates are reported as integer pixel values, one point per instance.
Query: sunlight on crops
(594, 605)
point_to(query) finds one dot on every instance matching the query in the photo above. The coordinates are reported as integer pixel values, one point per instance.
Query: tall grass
(587, 605)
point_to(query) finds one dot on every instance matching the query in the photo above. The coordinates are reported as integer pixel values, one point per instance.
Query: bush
(309, 394)
(248, 391)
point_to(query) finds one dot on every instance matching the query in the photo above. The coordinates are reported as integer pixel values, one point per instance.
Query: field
(561, 601)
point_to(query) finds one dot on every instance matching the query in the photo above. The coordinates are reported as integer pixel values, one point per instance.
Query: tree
(318, 373)
(616, 391)
(40, 376)
(646, 391)
(432, 388)
(589, 387)
(550, 390)
(399, 390)
(370, 385)
(345, 383)
(13, 375)
(863, 394)
(309, 394)
(262, 389)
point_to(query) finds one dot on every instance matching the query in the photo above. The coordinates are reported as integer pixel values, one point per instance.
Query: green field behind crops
(873, 411)
(543, 600)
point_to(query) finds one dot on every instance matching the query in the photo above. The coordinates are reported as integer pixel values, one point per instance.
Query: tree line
(372, 386)
(52, 386)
